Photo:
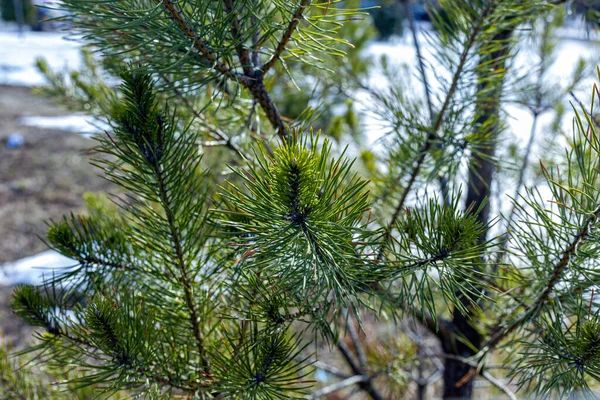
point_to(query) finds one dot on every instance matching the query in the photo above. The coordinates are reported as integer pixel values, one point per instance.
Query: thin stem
(330, 369)
(436, 126)
(536, 110)
(287, 35)
(362, 359)
(420, 59)
(496, 382)
(254, 83)
(500, 332)
(524, 166)
(421, 66)
(185, 280)
(483, 373)
(504, 239)
(367, 385)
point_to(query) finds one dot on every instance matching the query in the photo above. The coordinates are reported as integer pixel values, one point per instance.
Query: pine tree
(243, 239)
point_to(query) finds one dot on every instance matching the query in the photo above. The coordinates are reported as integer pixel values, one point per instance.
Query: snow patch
(79, 123)
(32, 270)
(19, 52)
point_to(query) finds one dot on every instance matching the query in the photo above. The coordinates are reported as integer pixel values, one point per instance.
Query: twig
(421, 66)
(215, 132)
(362, 359)
(499, 385)
(420, 62)
(537, 110)
(367, 386)
(254, 83)
(338, 386)
(500, 332)
(476, 367)
(287, 35)
(330, 369)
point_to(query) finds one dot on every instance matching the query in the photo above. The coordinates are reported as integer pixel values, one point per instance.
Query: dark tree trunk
(458, 384)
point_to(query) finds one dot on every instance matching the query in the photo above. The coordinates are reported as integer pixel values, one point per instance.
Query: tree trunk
(457, 382)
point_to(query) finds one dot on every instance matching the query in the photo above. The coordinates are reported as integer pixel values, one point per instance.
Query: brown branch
(500, 332)
(242, 51)
(254, 83)
(366, 385)
(287, 35)
(261, 95)
(199, 45)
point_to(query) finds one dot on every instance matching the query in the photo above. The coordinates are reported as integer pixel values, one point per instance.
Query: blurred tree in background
(10, 13)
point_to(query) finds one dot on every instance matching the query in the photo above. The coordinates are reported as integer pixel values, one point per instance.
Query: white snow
(79, 123)
(19, 52)
(400, 51)
(32, 270)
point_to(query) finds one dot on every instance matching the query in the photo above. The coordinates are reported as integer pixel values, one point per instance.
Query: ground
(44, 179)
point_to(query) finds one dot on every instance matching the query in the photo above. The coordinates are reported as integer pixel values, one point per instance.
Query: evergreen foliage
(242, 239)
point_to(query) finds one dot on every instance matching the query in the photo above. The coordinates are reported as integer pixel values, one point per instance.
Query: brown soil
(44, 179)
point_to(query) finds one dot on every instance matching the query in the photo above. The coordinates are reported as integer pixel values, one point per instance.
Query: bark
(457, 384)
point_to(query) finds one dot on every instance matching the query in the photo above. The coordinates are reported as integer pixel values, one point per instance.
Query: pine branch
(214, 131)
(183, 267)
(86, 259)
(490, 6)
(242, 51)
(197, 42)
(287, 35)
(502, 331)
(253, 83)
(143, 372)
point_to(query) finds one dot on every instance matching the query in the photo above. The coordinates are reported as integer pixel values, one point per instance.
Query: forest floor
(42, 180)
